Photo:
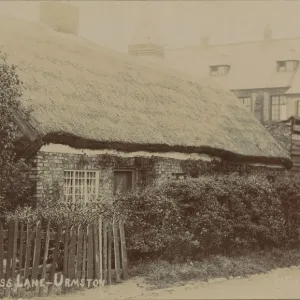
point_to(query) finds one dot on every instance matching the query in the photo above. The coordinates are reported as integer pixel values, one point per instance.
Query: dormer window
(287, 65)
(220, 70)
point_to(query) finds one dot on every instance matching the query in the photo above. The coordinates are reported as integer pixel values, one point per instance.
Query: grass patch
(161, 274)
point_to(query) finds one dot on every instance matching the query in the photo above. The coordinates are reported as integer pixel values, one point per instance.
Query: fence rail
(38, 257)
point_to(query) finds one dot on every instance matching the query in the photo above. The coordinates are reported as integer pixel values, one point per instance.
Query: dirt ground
(277, 284)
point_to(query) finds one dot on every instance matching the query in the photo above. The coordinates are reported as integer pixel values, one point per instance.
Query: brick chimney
(146, 41)
(59, 16)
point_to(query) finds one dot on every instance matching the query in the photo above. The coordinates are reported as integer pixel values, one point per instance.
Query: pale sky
(181, 23)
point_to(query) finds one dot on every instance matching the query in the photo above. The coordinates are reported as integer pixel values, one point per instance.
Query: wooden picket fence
(37, 257)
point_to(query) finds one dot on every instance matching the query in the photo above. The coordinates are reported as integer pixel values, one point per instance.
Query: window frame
(279, 98)
(215, 70)
(287, 65)
(281, 66)
(134, 175)
(86, 201)
(251, 102)
(298, 108)
(179, 176)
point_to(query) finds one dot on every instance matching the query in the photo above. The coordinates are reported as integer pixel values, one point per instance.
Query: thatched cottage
(102, 121)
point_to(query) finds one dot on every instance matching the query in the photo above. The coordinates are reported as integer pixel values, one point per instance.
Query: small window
(278, 108)
(247, 101)
(178, 176)
(287, 66)
(80, 186)
(214, 71)
(271, 178)
(281, 66)
(221, 70)
(124, 181)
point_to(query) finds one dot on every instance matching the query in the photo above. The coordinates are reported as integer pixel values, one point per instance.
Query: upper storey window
(287, 65)
(220, 70)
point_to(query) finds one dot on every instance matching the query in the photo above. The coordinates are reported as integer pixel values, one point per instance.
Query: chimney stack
(59, 16)
(267, 33)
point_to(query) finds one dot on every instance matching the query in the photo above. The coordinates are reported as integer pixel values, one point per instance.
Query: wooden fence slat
(116, 252)
(71, 263)
(90, 273)
(37, 251)
(100, 249)
(21, 255)
(105, 252)
(123, 251)
(84, 258)
(96, 252)
(1, 250)
(29, 235)
(46, 249)
(79, 253)
(55, 257)
(1, 255)
(109, 254)
(14, 253)
(21, 249)
(9, 255)
(66, 252)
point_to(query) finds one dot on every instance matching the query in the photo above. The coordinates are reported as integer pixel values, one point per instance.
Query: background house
(103, 121)
(263, 74)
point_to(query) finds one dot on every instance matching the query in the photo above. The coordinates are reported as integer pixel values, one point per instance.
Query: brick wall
(167, 169)
(48, 169)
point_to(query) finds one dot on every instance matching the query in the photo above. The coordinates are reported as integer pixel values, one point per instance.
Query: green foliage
(52, 207)
(14, 184)
(288, 191)
(213, 214)
(152, 221)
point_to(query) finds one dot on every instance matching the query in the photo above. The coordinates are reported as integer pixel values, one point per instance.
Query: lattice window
(278, 108)
(80, 186)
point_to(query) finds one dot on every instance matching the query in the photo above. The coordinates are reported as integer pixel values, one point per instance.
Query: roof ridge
(230, 44)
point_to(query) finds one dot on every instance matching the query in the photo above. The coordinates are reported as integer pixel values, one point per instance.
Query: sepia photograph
(149, 149)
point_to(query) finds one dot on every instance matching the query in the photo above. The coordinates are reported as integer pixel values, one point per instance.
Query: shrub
(288, 191)
(15, 187)
(152, 221)
(214, 214)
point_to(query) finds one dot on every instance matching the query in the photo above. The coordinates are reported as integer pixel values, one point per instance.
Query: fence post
(10, 236)
(96, 251)
(71, 260)
(79, 257)
(21, 255)
(123, 250)
(45, 257)
(90, 271)
(28, 250)
(66, 253)
(105, 252)
(109, 256)
(117, 252)
(100, 249)
(55, 256)
(14, 253)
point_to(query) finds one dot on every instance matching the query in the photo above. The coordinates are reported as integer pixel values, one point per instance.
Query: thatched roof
(78, 89)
